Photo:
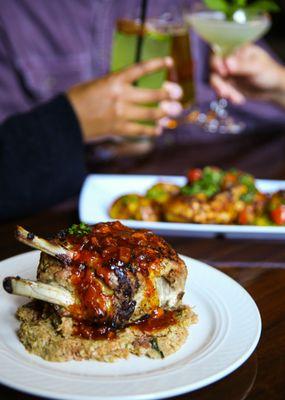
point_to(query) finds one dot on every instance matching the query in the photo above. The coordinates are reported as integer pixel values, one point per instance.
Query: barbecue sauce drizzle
(97, 254)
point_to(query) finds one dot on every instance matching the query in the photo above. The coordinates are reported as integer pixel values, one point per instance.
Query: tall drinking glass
(161, 37)
(165, 35)
(161, 32)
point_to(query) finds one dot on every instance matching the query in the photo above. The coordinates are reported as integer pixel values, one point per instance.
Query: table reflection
(237, 385)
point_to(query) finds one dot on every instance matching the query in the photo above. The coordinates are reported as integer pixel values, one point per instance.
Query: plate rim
(162, 394)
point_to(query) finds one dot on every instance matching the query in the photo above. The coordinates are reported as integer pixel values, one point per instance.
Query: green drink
(160, 39)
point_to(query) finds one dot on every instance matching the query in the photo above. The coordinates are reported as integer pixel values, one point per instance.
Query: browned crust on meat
(52, 271)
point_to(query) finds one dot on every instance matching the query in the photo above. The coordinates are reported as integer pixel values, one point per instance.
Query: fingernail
(231, 64)
(223, 70)
(172, 108)
(169, 61)
(175, 91)
(239, 99)
(163, 122)
(168, 123)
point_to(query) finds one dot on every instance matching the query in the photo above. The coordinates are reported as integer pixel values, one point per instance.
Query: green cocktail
(160, 39)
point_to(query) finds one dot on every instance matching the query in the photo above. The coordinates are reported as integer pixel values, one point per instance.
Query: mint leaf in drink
(217, 5)
(263, 5)
(229, 7)
(240, 3)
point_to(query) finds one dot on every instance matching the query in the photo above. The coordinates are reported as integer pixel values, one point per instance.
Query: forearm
(41, 159)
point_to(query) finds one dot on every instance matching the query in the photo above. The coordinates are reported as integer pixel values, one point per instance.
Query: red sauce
(107, 241)
(158, 320)
(93, 332)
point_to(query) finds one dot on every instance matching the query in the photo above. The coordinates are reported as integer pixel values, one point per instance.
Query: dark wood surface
(258, 265)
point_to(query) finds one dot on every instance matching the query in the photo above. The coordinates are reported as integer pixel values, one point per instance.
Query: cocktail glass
(225, 37)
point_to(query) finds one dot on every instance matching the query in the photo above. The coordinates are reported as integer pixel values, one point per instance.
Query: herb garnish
(155, 347)
(209, 184)
(229, 7)
(248, 181)
(79, 229)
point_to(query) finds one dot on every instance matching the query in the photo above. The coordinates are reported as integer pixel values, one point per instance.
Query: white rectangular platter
(100, 190)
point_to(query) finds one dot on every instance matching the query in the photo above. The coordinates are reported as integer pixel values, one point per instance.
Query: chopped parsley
(248, 181)
(79, 229)
(248, 197)
(209, 184)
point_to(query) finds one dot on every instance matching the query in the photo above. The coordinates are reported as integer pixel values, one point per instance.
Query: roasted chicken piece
(215, 196)
(223, 208)
(134, 206)
(106, 274)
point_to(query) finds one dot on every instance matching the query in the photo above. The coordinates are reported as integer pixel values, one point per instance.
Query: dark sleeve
(41, 158)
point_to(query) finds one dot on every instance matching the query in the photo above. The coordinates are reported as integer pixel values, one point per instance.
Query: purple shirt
(46, 46)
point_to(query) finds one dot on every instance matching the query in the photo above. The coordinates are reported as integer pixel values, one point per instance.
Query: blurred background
(276, 36)
(59, 53)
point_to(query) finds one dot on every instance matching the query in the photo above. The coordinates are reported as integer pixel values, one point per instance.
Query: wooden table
(258, 265)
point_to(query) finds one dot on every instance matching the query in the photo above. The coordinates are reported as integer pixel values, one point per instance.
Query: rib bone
(46, 246)
(38, 290)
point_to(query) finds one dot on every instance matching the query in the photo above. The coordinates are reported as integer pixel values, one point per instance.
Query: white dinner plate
(99, 192)
(227, 333)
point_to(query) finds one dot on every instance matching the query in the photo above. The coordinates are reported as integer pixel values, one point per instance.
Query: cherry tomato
(278, 215)
(194, 175)
(230, 178)
(243, 217)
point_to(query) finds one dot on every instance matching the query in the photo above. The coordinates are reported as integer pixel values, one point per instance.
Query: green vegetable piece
(129, 198)
(156, 193)
(155, 347)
